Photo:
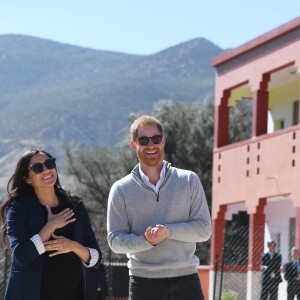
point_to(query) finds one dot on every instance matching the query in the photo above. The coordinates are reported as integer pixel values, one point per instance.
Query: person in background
(49, 232)
(156, 215)
(292, 275)
(270, 267)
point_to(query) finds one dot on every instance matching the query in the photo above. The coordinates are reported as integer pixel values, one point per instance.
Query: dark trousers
(269, 290)
(293, 290)
(174, 288)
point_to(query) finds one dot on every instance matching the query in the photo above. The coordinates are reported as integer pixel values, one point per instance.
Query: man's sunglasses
(38, 168)
(144, 140)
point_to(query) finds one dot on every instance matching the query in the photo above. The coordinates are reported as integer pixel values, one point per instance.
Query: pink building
(260, 176)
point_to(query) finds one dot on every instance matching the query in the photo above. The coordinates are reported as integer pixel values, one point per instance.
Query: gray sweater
(180, 205)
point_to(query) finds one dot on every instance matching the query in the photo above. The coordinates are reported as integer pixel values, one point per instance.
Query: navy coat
(290, 274)
(25, 218)
(273, 265)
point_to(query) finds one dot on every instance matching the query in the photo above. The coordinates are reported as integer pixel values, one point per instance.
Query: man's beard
(150, 161)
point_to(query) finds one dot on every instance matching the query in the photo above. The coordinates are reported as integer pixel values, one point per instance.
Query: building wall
(261, 174)
(265, 167)
(252, 70)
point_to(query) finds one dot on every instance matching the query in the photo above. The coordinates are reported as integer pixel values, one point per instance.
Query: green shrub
(228, 295)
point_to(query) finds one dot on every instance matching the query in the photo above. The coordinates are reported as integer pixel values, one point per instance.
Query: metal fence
(117, 279)
(231, 276)
(5, 261)
(113, 277)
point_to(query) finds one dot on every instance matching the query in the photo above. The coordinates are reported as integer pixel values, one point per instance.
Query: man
(292, 275)
(270, 266)
(156, 215)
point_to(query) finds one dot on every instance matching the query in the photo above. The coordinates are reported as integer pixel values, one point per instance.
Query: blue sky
(144, 27)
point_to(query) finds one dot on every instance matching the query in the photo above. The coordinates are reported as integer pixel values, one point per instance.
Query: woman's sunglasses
(144, 140)
(38, 168)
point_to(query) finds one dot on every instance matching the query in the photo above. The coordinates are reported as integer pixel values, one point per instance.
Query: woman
(49, 232)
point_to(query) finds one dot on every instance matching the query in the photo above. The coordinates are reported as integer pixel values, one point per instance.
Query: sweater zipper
(157, 195)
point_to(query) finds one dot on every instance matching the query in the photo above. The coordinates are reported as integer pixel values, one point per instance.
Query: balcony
(260, 167)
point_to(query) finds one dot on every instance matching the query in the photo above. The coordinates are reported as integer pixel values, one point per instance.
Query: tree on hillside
(240, 121)
(94, 172)
(178, 121)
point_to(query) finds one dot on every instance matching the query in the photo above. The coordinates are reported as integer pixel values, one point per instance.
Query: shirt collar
(162, 172)
(146, 180)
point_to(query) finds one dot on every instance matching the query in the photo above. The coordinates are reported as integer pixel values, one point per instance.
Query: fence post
(5, 269)
(222, 271)
(110, 276)
(216, 272)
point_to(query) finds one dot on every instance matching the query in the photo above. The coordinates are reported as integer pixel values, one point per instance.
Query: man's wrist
(144, 237)
(148, 241)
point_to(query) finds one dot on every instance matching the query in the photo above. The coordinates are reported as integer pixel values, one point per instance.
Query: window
(295, 112)
(278, 124)
(292, 233)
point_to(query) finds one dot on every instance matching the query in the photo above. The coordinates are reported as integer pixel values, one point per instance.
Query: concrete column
(217, 240)
(256, 249)
(297, 228)
(260, 108)
(222, 121)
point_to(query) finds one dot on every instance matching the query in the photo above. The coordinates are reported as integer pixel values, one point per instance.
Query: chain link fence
(231, 265)
(5, 261)
(232, 280)
(113, 277)
(117, 279)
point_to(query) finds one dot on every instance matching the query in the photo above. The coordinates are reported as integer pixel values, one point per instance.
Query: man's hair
(141, 122)
(294, 250)
(271, 243)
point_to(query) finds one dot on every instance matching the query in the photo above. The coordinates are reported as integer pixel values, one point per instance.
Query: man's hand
(263, 268)
(155, 235)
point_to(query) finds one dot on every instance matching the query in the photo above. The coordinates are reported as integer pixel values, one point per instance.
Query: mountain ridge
(52, 93)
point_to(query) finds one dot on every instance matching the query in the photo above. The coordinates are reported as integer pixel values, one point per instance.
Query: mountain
(53, 93)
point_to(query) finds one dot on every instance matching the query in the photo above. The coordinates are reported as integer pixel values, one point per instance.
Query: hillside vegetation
(52, 93)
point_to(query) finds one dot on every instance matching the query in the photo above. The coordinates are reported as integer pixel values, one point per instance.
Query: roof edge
(256, 42)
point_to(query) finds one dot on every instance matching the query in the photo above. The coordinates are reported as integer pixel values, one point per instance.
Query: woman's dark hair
(18, 188)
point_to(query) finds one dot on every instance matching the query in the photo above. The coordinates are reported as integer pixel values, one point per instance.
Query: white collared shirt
(146, 180)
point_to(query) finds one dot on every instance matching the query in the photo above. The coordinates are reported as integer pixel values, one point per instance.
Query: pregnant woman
(50, 234)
